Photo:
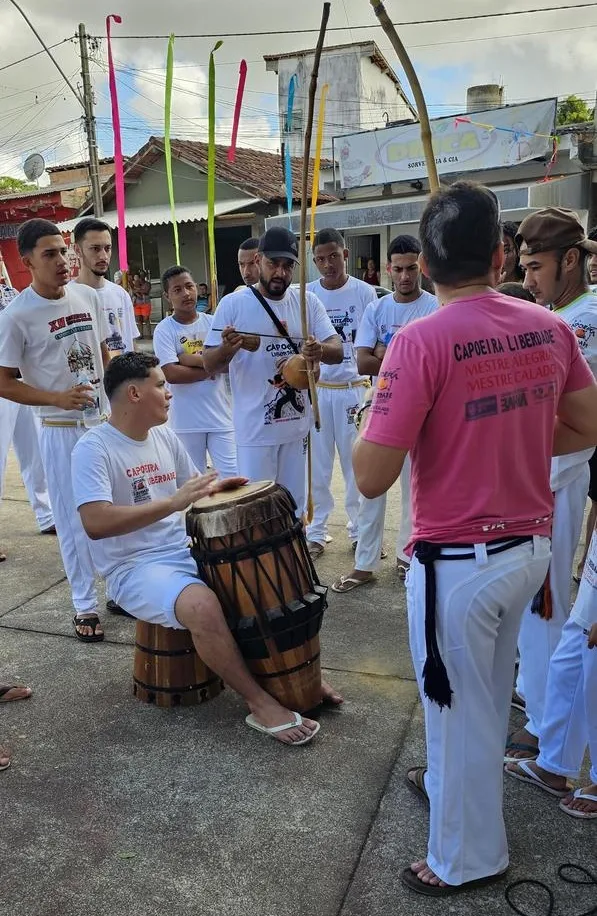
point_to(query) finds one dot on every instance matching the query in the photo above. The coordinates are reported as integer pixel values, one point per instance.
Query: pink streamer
(242, 76)
(118, 160)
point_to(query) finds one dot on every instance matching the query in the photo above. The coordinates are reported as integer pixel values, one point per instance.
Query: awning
(159, 214)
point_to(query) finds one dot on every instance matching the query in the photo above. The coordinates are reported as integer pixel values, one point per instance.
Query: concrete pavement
(115, 807)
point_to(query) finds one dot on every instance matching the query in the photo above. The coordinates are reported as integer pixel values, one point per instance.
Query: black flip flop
(412, 881)
(417, 783)
(91, 621)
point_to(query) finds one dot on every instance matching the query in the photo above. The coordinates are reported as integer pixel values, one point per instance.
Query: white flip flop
(532, 779)
(298, 720)
(586, 815)
(347, 583)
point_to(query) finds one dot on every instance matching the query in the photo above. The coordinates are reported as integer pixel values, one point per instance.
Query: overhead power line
(35, 54)
(370, 25)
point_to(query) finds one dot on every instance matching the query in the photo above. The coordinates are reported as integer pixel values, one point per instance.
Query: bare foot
(550, 779)
(271, 714)
(522, 736)
(329, 695)
(424, 874)
(8, 694)
(580, 803)
(4, 759)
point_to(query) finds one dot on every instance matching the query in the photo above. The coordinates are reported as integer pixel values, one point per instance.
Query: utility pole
(94, 169)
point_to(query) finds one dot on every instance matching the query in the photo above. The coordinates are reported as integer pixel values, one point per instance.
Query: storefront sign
(491, 139)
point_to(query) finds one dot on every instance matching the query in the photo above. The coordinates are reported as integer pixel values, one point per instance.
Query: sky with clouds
(534, 56)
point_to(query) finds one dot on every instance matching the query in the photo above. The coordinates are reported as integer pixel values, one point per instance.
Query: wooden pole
(304, 195)
(390, 30)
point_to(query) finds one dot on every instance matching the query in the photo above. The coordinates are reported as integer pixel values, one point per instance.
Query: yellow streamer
(317, 163)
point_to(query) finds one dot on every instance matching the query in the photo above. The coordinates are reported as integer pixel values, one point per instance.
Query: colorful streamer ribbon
(287, 156)
(118, 160)
(167, 146)
(242, 76)
(461, 119)
(211, 174)
(317, 163)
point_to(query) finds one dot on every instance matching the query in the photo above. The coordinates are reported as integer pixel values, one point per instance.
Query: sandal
(347, 583)
(575, 812)
(533, 779)
(412, 881)
(415, 780)
(315, 549)
(4, 766)
(4, 689)
(532, 750)
(93, 622)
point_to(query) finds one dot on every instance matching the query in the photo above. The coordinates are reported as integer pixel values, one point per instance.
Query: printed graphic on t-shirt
(383, 393)
(141, 492)
(584, 333)
(287, 403)
(192, 346)
(519, 368)
(115, 342)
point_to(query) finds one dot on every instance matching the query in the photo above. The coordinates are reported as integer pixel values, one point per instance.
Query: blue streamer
(287, 162)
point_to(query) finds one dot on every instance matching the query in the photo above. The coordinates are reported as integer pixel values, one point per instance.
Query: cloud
(38, 112)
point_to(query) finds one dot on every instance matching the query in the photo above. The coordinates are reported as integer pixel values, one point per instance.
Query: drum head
(230, 497)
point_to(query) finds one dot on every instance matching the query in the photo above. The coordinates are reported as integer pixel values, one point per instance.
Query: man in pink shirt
(480, 394)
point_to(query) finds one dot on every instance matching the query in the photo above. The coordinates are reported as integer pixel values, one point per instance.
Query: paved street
(115, 807)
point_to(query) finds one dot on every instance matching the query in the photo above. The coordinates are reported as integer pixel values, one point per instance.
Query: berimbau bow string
(411, 75)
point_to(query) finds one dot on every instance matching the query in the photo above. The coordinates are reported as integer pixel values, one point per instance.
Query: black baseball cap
(278, 242)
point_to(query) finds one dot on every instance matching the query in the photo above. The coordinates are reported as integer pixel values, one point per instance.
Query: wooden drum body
(251, 550)
(168, 671)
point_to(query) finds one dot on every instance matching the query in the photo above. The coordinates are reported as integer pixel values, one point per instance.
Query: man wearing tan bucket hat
(553, 252)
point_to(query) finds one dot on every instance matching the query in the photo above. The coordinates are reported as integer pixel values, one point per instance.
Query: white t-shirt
(581, 316)
(53, 341)
(197, 407)
(107, 466)
(345, 307)
(118, 309)
(386, 316)
(265, 410)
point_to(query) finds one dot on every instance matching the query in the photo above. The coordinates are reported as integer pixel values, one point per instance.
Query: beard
(279, 289)
(100, 273)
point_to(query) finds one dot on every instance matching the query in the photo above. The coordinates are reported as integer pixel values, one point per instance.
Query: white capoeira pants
(338, 408)
(285, 464)
(538, 637)
(57, 444)
(220, 445)
(479, 605)
(570, 719)
(20, 427)
(372, 514)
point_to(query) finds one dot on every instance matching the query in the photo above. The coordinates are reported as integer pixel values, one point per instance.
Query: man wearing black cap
(553, 252)
(270, 419)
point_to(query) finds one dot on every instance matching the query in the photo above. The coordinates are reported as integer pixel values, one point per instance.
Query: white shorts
(149, 590)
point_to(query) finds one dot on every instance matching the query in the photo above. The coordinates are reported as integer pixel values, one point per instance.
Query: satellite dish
(34, 166)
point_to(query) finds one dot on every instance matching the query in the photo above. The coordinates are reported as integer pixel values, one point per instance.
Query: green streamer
(211, 174)
(167, 147)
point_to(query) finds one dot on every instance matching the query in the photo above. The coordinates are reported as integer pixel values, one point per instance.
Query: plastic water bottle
(91, 415)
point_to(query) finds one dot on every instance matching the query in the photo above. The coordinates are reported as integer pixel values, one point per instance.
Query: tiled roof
(253, 171)
(78, 165)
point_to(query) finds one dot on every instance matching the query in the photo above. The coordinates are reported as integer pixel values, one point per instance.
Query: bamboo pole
(390, 30)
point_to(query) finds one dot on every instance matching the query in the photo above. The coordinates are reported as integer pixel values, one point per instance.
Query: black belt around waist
(436, 683)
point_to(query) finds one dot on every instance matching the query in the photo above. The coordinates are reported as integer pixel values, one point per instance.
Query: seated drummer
(132, 478)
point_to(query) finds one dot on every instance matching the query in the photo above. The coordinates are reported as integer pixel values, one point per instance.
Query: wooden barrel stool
(168, 671)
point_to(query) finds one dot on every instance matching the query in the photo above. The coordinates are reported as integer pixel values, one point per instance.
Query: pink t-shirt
(472, 392)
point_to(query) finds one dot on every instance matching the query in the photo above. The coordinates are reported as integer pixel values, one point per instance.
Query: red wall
(14, 212)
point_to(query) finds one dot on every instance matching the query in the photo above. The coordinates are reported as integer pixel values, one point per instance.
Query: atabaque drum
(168, 671)
(251, 550)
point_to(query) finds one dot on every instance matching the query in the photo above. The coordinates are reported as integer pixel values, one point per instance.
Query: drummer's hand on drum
(312, 350)
(196, 487)
(232, 341)
(228, 483)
